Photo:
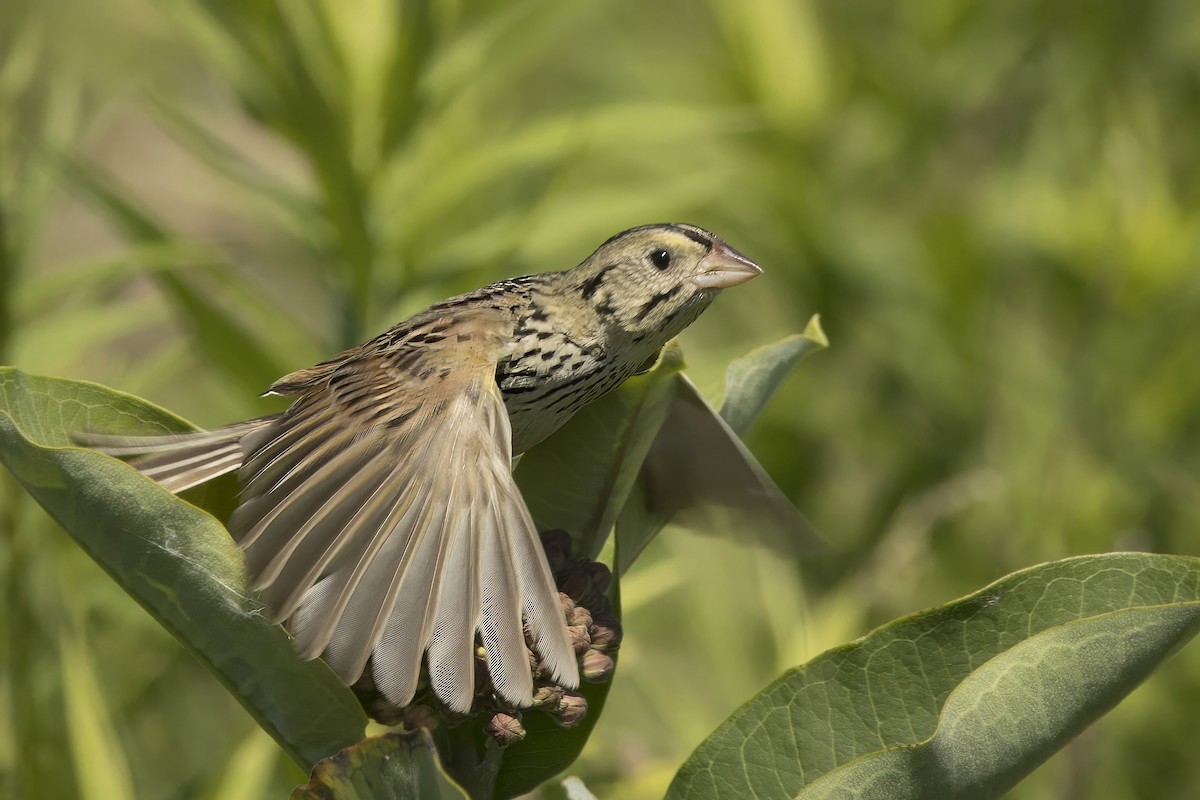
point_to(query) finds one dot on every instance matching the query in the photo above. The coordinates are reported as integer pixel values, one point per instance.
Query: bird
(378, 514)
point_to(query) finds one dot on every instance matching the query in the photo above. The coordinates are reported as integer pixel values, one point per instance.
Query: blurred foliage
(994, 206)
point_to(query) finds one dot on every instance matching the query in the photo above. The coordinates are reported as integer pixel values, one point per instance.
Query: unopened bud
(568, 605)
(596, 666)
(548, 696)
(505, 729)
(606, 632)
(418, 716)
(384, 712)
(571, 709)
(580, 640)
(579, 616)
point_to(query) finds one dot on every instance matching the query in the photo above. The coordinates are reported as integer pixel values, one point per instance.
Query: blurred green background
(994, 206)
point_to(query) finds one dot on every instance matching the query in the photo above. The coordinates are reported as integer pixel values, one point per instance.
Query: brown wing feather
(380, 514)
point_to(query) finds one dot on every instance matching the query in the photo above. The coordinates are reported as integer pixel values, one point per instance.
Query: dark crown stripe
(696, 235)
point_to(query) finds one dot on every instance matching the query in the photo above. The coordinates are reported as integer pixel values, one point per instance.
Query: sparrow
(378, 514)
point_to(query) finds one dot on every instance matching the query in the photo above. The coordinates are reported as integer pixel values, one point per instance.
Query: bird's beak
(725, 267)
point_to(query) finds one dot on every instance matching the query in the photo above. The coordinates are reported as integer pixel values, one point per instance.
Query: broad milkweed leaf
(960, 701)
(698, 468)
(753, 379)
(395, 766)
(173, 558)
(696, 471)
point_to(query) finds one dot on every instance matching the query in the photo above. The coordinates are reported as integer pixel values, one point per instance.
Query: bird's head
(658, 278)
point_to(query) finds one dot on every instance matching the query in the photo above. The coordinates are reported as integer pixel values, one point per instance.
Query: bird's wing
(380, 515)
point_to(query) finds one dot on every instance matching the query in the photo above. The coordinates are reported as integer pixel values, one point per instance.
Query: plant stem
(20, 634)
(477, 777)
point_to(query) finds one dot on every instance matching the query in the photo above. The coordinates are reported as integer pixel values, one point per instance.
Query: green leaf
(173, 558)
(960, 701)
(698, 466)
(752, 379)
(696, 472)
(389, 767)
(579, 478)
(403, 102)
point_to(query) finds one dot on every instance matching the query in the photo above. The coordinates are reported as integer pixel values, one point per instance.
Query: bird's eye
(660, 258)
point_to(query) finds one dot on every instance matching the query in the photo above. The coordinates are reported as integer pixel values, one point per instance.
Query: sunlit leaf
(576, 789)
(960, 701)
(698, 470)
(696, 473)
(174, 559)
(752, 380)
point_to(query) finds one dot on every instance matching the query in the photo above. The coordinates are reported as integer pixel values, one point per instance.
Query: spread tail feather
(179, 461)
(410, 548)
